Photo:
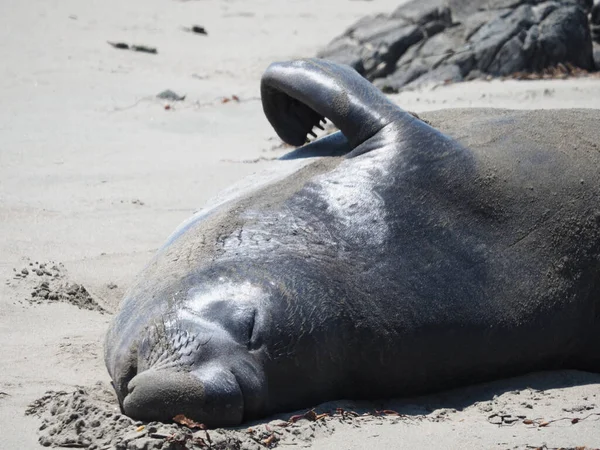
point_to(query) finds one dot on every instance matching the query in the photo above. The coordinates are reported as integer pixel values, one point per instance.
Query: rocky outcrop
(430, 41)
(595, 30)
(595, 22)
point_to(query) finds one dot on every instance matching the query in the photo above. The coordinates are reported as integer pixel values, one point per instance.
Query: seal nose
(160, 395)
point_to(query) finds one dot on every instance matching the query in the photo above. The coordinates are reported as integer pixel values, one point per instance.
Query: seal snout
(160, 395)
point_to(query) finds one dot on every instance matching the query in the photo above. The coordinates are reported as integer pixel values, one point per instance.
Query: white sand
(95, 173)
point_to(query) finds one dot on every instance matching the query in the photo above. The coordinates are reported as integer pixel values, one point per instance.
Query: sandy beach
(96, 172)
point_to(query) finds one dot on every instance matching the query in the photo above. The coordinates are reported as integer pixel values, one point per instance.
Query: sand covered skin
(96, 172)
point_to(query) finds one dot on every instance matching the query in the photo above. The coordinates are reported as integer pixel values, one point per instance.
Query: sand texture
(96, 172)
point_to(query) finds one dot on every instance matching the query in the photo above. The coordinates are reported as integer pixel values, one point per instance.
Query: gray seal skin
(415, 262)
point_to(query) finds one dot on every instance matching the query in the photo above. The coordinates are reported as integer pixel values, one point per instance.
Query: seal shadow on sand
(459, 398)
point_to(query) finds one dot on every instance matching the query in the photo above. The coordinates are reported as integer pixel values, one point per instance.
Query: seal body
(427, 257)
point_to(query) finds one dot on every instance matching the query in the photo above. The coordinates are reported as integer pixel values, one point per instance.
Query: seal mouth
(300, 120)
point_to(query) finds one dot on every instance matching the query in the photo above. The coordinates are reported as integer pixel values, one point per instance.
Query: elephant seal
(415, 262)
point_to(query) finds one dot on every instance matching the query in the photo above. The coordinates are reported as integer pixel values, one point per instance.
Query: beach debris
(135, 48)
(135, 201)
(269, 441)
(389, 412)
(544, 423)
(345, 414)
(119, 45)
(504, 419)
(560, 71)
(144, 49)
(233, 98)
(181, 419)
(310, 415)
(170, 95)
(196, 29)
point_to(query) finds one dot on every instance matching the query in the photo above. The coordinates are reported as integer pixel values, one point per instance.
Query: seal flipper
(297, 95)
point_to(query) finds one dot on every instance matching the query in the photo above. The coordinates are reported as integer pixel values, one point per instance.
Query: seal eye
(237, 319)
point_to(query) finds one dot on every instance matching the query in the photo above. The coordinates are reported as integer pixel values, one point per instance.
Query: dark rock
(119, 45)
(199, 30)
(595, 31)
(586, 5)
(531, 38)
(399, 79)
(170, 95)
(373, 29)
(564, 38)
(144, 49)
(595, 23)
(390, 47)
(422, 58)
(345, 50)
(374, 44)
(486, 43)
(436, 50)
(463, 39)
(443, 74)
(595, 14)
